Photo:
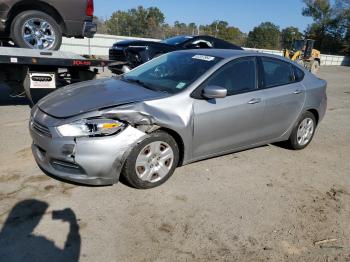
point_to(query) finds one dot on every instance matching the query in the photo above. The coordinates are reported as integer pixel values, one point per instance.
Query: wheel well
(315, 113)
(179, 142)
(27, 5)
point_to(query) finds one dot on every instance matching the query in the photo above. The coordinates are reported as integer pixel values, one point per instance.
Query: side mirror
(214, 92)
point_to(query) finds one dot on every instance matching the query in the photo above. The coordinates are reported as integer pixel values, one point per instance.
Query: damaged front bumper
(84, 160)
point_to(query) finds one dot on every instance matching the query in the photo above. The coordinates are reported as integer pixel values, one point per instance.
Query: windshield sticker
(180, 85)
(204, 57)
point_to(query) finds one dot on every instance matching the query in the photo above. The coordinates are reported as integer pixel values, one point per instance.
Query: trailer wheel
(36, 30)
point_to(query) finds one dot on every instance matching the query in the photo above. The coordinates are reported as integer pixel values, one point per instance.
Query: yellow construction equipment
(303, 53)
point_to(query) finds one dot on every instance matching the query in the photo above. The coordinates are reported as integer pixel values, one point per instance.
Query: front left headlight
(91, 127)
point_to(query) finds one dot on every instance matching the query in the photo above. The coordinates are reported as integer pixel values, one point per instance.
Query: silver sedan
(176, 109)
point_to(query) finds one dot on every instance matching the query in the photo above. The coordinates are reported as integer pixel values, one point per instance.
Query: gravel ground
(264, 204)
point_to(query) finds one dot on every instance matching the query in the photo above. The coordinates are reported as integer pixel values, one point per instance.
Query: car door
(284, 96)
(224, 124)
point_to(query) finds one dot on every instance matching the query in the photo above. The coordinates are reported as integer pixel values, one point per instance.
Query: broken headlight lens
(91, 127)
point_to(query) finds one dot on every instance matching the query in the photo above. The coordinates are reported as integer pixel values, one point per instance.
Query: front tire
(303, 132)
(151, 162)
(36, 30)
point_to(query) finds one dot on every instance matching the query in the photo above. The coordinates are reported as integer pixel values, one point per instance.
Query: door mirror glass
(214, 92)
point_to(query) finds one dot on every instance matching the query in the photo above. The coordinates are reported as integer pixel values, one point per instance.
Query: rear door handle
(296, 92)
(254, 101)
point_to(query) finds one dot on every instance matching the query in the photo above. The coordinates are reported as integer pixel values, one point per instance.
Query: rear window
(176, 40)
(276, 72)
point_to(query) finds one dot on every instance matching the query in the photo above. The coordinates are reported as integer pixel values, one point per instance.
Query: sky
(244, 14)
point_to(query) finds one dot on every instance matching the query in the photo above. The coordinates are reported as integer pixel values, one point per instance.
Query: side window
(237, 77)
(299, 74)
(276, 72)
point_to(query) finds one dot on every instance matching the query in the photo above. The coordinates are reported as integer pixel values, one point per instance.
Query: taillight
(90, 8)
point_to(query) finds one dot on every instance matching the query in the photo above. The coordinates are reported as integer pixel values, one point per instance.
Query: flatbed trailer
(35, 73)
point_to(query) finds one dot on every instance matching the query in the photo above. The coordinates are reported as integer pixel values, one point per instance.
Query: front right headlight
(91, 127)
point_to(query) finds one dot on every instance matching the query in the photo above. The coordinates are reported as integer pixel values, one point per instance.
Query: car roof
(222, 53)
(230, 53)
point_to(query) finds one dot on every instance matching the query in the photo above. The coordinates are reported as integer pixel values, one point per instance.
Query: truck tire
(36, 30)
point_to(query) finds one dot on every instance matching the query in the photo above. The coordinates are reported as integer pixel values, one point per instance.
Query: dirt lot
(263, 204)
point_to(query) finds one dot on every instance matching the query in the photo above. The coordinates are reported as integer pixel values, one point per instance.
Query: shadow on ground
(6, 99)
(18, 243)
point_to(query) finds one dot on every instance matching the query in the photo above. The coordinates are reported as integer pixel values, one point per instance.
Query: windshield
(176, 40)
(172, 72)
(299, 45)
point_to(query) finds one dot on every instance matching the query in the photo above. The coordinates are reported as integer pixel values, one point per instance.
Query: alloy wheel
(38, 34)
(305, 131)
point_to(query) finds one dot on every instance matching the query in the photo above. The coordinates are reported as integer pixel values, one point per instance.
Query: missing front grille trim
(41, 129)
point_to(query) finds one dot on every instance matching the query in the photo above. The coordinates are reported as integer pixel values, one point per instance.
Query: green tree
(288, 35)
(319, 10)
(266, 35)
(180, 28)
(154, 20)
(221, 29)
(342, 8)
(119, 23)
(149, 22)
(192, 28)
(101, 25)
(327, 28)
(136, 22)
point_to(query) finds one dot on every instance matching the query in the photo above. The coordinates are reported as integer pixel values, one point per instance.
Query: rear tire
(151, 162)
(36, 30)
(303, 132)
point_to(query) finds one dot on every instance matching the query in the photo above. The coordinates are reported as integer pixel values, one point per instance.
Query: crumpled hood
(93, 95)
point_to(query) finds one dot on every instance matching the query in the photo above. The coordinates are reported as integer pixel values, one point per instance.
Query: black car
(131, 53)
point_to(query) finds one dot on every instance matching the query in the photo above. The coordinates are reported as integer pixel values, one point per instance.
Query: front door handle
(296, 92)
(254, 101)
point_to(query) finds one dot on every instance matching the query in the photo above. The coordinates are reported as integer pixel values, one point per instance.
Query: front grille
(117, 55)
(41, 129)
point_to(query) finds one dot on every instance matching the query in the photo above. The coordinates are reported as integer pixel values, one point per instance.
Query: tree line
(330, 27)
